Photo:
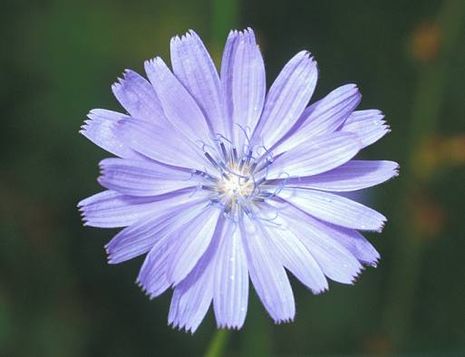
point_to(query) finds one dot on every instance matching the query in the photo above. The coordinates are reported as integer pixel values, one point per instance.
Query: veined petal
(320, 154)
(353, 175)
(109, 209)
(231, 290)
(142, 178)
(179, 106)
(153, 276)
(159, 143)
(267, 273)
(323, 117)
(137, 96)
(101, 129)
(287, 99)
(192, 296)
(367, 124)
(336, 262)
(244, 81)
(141, 236)
(194, 67)
(192, 242)
(293, 254)
(354, 242)
(191, 300)
(334, 209)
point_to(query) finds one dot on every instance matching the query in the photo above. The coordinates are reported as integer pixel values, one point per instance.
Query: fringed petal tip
(182, 327)
(110, 256)
(89, 123)
(382, 225)
(145, 291)
(365, 265)
(122, 81)
(248, 31)
(307, 56)
(85, 126)
(284, 321)
(153, 62)
(185, 36)
(396, 170)
(357, 275)
(111, 261)
(82, 211)
(83, 216)
(372, 264)
(320, 291)
(229, 326)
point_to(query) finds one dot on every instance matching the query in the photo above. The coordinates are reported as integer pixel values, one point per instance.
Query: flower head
(217, 181)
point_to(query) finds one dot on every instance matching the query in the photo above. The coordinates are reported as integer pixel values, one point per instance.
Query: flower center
(236, 185)
(237, 180)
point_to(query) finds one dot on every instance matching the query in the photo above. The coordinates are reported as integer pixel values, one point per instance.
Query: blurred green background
(58, 297)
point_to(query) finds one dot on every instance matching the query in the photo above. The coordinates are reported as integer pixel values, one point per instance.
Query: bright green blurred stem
(425, 116)
(224, 18)
(218, 343)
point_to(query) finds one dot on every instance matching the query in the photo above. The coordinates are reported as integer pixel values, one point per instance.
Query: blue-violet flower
(217, 181)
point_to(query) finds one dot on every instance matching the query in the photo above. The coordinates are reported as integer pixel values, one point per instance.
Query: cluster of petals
(218, 182)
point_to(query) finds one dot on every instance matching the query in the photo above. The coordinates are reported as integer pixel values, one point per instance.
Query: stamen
(244, 130)
(223, 150)
(263, 166)
(222, 137)
(234, 154)
(203, 174)
(213, 162)
(249, 155)
(238, 188)
(208, 188)
(241, 164)
(254, 165)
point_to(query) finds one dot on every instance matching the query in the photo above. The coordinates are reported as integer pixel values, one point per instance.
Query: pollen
(235, 187)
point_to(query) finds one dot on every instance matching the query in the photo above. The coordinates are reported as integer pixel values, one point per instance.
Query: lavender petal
(367, 124)
(354, 242)
(101, 129)
(351, 176)
(109, 209)
(334, 209)
(192, 243)
(231, 290)
(159, 144)
(244, 81)
(137, 96)
(336, 262)
(179, 106)
(323, 117)
(286, 99)
(318, 155)
(142, 178)
(141, 236)
(192, 296)
(194, 67)
(267, 273)
(293, 254)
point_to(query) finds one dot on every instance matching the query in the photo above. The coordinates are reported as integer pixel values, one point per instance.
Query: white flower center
(238, 181)
(236, 185)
